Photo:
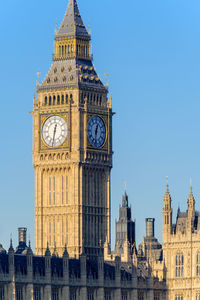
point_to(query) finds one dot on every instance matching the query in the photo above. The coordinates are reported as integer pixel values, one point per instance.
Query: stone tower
(125, 227)
(72, 147)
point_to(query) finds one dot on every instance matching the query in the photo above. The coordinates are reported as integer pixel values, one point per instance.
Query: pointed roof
(191, 200)
(72, 24)
(167, 196)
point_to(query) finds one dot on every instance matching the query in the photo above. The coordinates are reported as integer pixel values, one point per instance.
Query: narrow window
(58, 100)
(63, 99)
(179, 265)
(49, 190)
(36, 293)
(45, 100)
(49, 100)
(67, 190)
(198, 265)
(62, 51)
(54, 100)
(50, 232)
(65, 50)
(66, 99)
(54, 190)
(59, 51)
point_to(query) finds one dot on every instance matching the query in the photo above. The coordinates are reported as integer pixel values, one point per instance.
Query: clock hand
(96, 131)
(54, 133)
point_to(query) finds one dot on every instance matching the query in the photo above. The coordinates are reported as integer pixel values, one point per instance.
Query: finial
(125, 186)
(38, 79)
(89, 29)
(167, 184)
(191, 185)
(106, 77)
(111, 100)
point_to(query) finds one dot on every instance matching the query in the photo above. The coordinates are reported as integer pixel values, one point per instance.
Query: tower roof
(72, 24)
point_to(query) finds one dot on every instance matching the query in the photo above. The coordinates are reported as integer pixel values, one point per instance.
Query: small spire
(190, 185)
(11, 249)
(191, 200)
(47, 252)
(65, 253)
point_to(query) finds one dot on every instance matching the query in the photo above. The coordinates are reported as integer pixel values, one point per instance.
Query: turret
(191, 210)
(125, 227)
(167, 214)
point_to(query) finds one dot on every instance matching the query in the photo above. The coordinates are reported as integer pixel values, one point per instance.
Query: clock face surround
(54, 131)
(96, 132)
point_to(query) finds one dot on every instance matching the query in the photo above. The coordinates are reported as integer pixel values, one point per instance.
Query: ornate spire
(11, 249)
(72, 24)
(167, 196)
(191, 200)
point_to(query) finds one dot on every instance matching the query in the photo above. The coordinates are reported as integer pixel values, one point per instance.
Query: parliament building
(72, 160)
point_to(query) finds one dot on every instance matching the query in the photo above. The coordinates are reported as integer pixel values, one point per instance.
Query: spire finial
(167, 183)
(190, 185)
(125, 186)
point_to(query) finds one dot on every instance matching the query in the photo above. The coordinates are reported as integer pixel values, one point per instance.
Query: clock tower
(72, 147)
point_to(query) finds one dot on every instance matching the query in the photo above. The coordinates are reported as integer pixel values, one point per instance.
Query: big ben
(72, 147)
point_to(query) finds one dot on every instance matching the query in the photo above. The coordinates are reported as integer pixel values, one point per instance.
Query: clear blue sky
(151, 50)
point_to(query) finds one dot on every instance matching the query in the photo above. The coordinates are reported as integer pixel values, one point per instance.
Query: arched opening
(62, 50)
(59, 51)
(45, 101)
(49, 100)
(66, 98)
(58, 100)
(63, 100)
(54, 100)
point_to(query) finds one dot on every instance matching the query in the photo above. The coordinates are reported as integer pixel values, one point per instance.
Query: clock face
(54, 131)
(96, 131)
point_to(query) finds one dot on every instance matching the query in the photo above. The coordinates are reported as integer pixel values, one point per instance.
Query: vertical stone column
(100, 291)
(29, 291)
(47, 289)
(83, 262)
(65, 290)
(117, 292)
(11, 261)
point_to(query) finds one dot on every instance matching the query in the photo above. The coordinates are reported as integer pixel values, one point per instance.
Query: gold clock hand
(54, 134)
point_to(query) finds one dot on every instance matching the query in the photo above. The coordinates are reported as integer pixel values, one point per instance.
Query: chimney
(22, 234)
(150, 227)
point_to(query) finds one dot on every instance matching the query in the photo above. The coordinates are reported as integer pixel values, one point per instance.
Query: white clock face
(96, 131)
(54, 131)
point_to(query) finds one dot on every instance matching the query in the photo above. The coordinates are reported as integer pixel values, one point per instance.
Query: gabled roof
(72, 24)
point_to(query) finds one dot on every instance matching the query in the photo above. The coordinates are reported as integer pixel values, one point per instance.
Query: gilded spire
(72, 24)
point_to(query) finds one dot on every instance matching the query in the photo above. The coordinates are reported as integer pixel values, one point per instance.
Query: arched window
(71, 98)
(59, 51)
(68, 49)
(63, 99)
(179, 265)
(54, 100)
(179, 297)
(62, 50)
(71, 49)
(65, 50)
(49, 100)
(66, 98)
(198, 265)
(45, 101)
(58, 100)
